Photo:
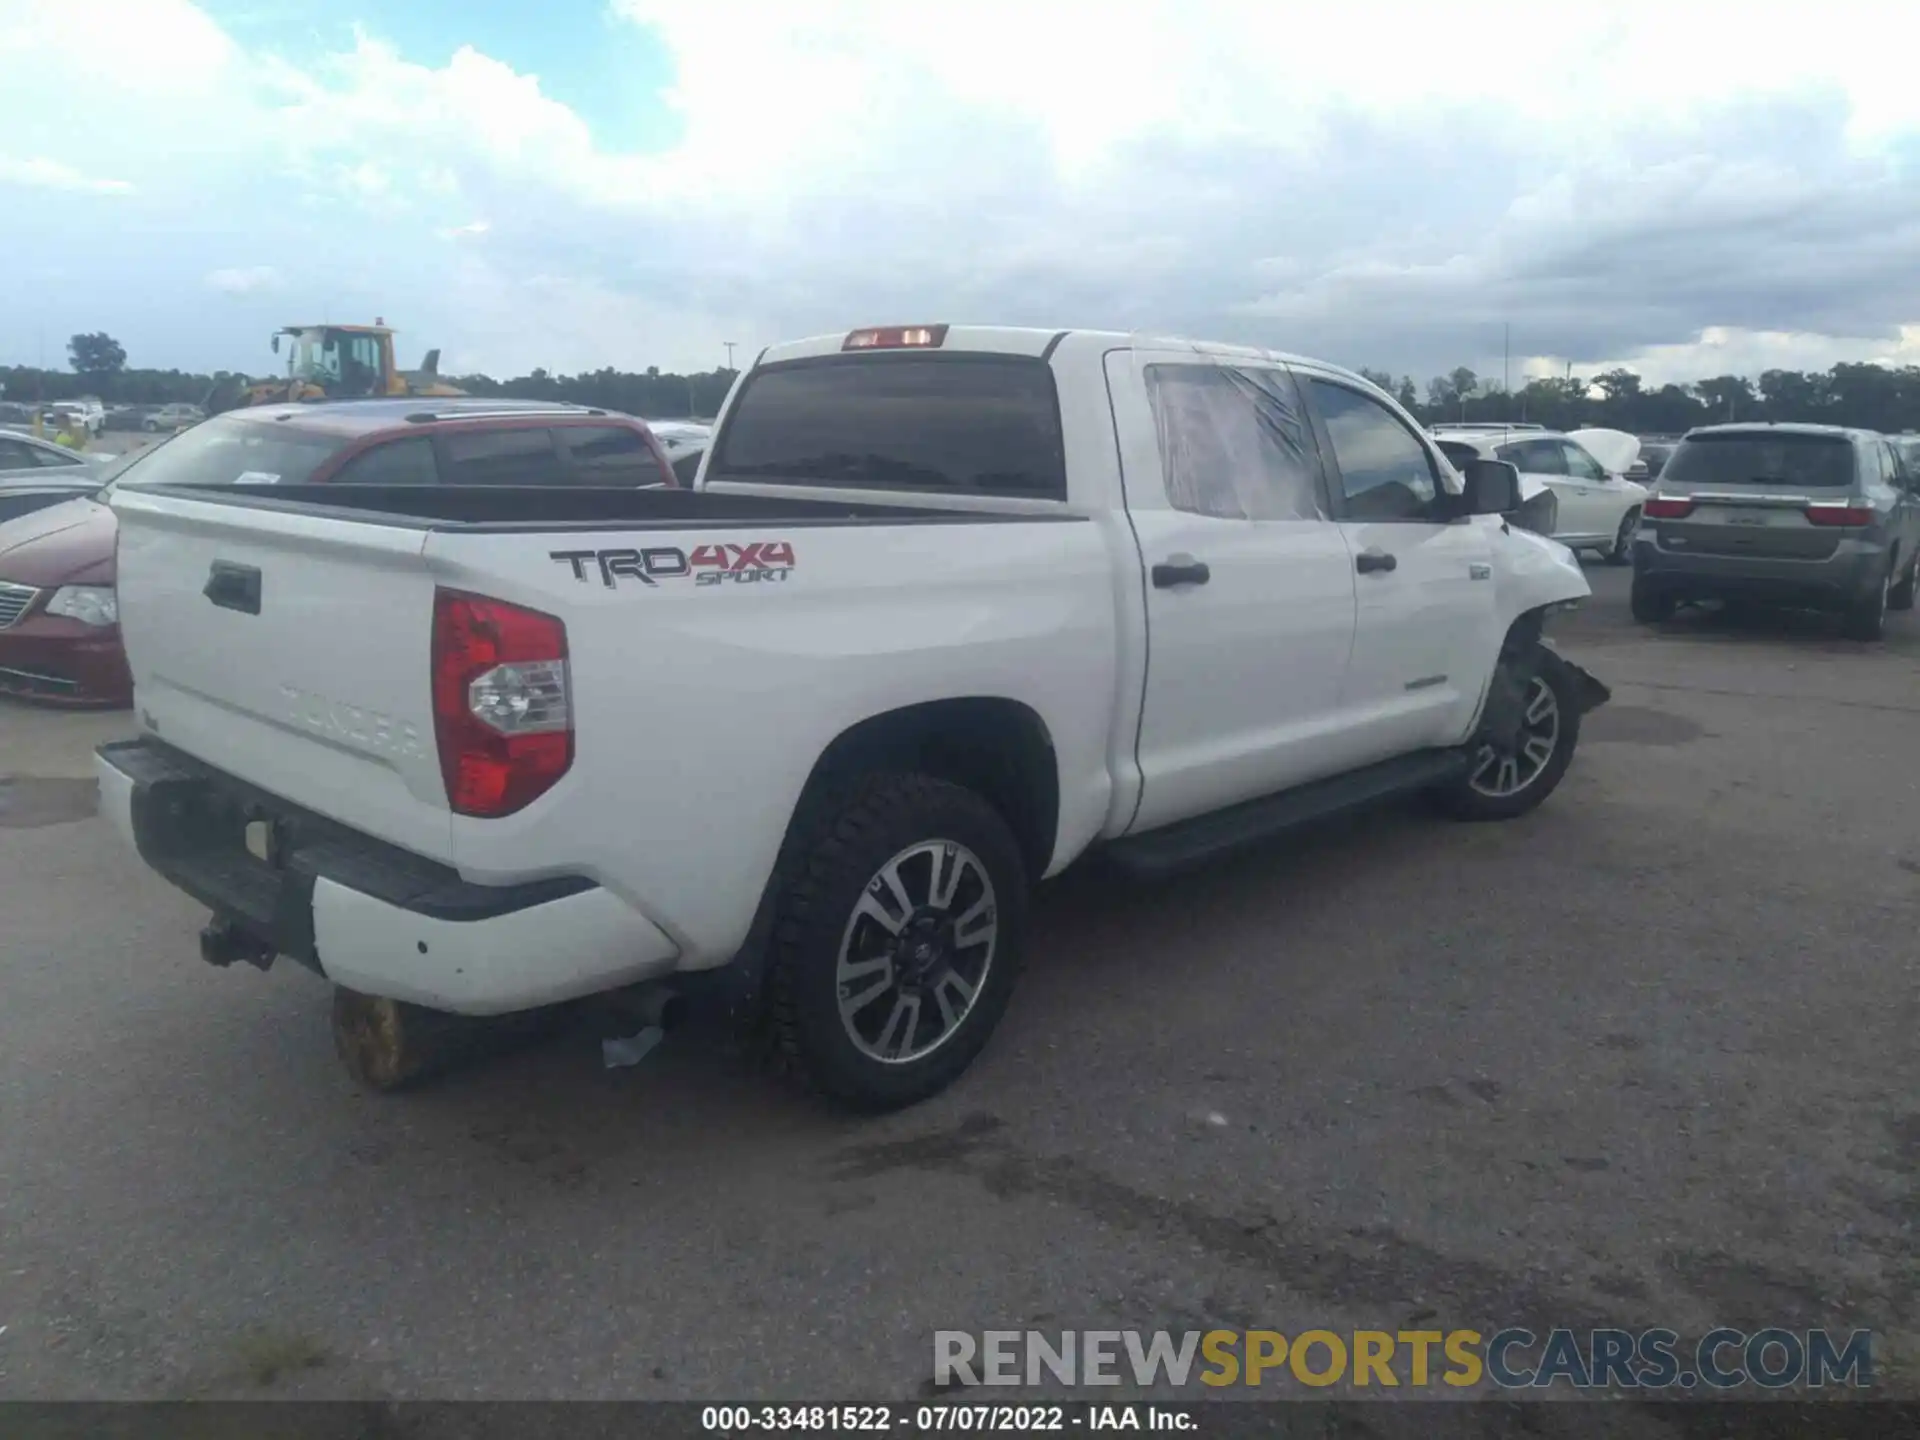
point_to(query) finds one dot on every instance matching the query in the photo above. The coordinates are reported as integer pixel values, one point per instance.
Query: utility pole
(729, 344)
(1506, 365)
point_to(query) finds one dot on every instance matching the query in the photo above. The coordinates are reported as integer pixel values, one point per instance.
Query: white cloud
(1360, 179)
(52, 175)
(245, 280)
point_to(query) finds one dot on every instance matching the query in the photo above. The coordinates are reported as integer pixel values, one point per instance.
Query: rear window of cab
(949, 424)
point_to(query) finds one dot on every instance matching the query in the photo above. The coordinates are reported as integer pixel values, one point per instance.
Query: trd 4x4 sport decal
(727, 564)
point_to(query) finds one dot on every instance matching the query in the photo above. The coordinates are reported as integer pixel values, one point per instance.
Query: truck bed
(515, 508)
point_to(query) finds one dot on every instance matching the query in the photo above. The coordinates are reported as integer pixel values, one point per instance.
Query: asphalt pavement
(1646, 1057)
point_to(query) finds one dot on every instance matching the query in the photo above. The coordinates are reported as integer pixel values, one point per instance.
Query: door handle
(1180, 570)
(1369, 562)
(234, 587)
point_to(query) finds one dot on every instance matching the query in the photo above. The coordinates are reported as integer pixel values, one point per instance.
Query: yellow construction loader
(333, 362)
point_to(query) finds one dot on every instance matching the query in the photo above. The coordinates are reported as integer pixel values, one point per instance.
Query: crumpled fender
(1506, 698)
(1587, 691)
(1531, 572)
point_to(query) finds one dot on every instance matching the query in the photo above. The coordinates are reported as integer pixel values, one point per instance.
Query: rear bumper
(1850, 572)
(366, 914)
(64, 662)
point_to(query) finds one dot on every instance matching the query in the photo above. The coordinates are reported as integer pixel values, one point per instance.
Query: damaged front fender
(1504, 710)
(1588, 692)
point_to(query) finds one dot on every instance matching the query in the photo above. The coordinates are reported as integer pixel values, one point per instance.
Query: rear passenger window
(1535, 457)
(398, 462)
(503, 457)
(1233, 443)
(610, 455)
(1385, 473)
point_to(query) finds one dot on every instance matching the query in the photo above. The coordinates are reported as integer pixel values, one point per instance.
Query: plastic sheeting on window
(1233, 442)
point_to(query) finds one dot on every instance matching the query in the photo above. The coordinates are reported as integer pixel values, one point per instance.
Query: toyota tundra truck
(950, 608)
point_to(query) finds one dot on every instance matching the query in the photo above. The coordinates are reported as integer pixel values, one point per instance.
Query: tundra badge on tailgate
(707, 565)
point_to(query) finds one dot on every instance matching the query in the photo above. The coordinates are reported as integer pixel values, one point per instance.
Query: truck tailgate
(290, 650)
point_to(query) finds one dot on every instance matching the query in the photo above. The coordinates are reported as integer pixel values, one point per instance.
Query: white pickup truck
(950, 608)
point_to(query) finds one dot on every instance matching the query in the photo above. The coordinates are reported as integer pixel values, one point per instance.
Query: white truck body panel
(329, 707)
(700, 712)
(872, 619)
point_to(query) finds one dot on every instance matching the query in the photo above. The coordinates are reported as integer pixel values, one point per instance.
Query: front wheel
(1509, 775)
(1622, 551)
(898, 941)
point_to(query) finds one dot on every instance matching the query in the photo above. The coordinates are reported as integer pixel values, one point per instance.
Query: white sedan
(1597, 507)
(36, 473)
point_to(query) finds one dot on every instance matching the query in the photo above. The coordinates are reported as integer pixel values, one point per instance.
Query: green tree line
(1876, 397)
(97, 365)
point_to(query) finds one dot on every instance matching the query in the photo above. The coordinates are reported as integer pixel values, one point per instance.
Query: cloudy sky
(1687, 188)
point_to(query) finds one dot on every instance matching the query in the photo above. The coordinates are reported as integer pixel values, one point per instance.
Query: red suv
(59, 623)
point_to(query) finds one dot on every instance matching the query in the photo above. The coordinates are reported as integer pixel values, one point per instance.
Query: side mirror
(276, 344)
(1493, 487)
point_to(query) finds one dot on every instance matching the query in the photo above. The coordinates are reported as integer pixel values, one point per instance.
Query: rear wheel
(1650, 605)
(898, 942)
(1622, 551)
(1901, 596)
(1509, 776)
(1866, 618)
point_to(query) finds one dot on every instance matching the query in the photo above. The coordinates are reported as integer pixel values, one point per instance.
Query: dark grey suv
(1811, 516)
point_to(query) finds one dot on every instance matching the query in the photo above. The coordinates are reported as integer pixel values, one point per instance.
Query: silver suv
(1812, 516)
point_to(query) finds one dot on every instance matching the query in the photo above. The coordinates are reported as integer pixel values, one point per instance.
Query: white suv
(1597, 507)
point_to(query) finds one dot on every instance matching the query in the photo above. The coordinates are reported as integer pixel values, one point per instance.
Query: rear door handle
(1180, 570)
(1368, 562)
(234, 587)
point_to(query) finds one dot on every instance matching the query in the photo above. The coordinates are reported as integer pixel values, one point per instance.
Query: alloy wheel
(915, 954)
(1499, 773)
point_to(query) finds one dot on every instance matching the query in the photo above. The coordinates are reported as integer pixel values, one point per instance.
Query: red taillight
(1659, 509)
(897, 337)
(1840, 514)
(502, 704)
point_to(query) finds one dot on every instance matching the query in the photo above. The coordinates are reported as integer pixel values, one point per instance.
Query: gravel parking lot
(1647, 1057)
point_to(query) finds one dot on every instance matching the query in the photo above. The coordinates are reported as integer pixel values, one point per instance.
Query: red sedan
(59, 620)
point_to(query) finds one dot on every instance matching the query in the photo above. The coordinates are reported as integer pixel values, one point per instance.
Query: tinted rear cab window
(1794, 462)
(945, 424)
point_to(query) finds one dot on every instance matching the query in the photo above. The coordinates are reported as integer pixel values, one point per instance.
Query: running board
(1189, 843)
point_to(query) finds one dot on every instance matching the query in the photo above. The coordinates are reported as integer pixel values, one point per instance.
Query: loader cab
(344, 362)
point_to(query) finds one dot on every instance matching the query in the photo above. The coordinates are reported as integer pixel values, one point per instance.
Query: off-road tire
(1650, 606)
(865, 825)
(1460, 800)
